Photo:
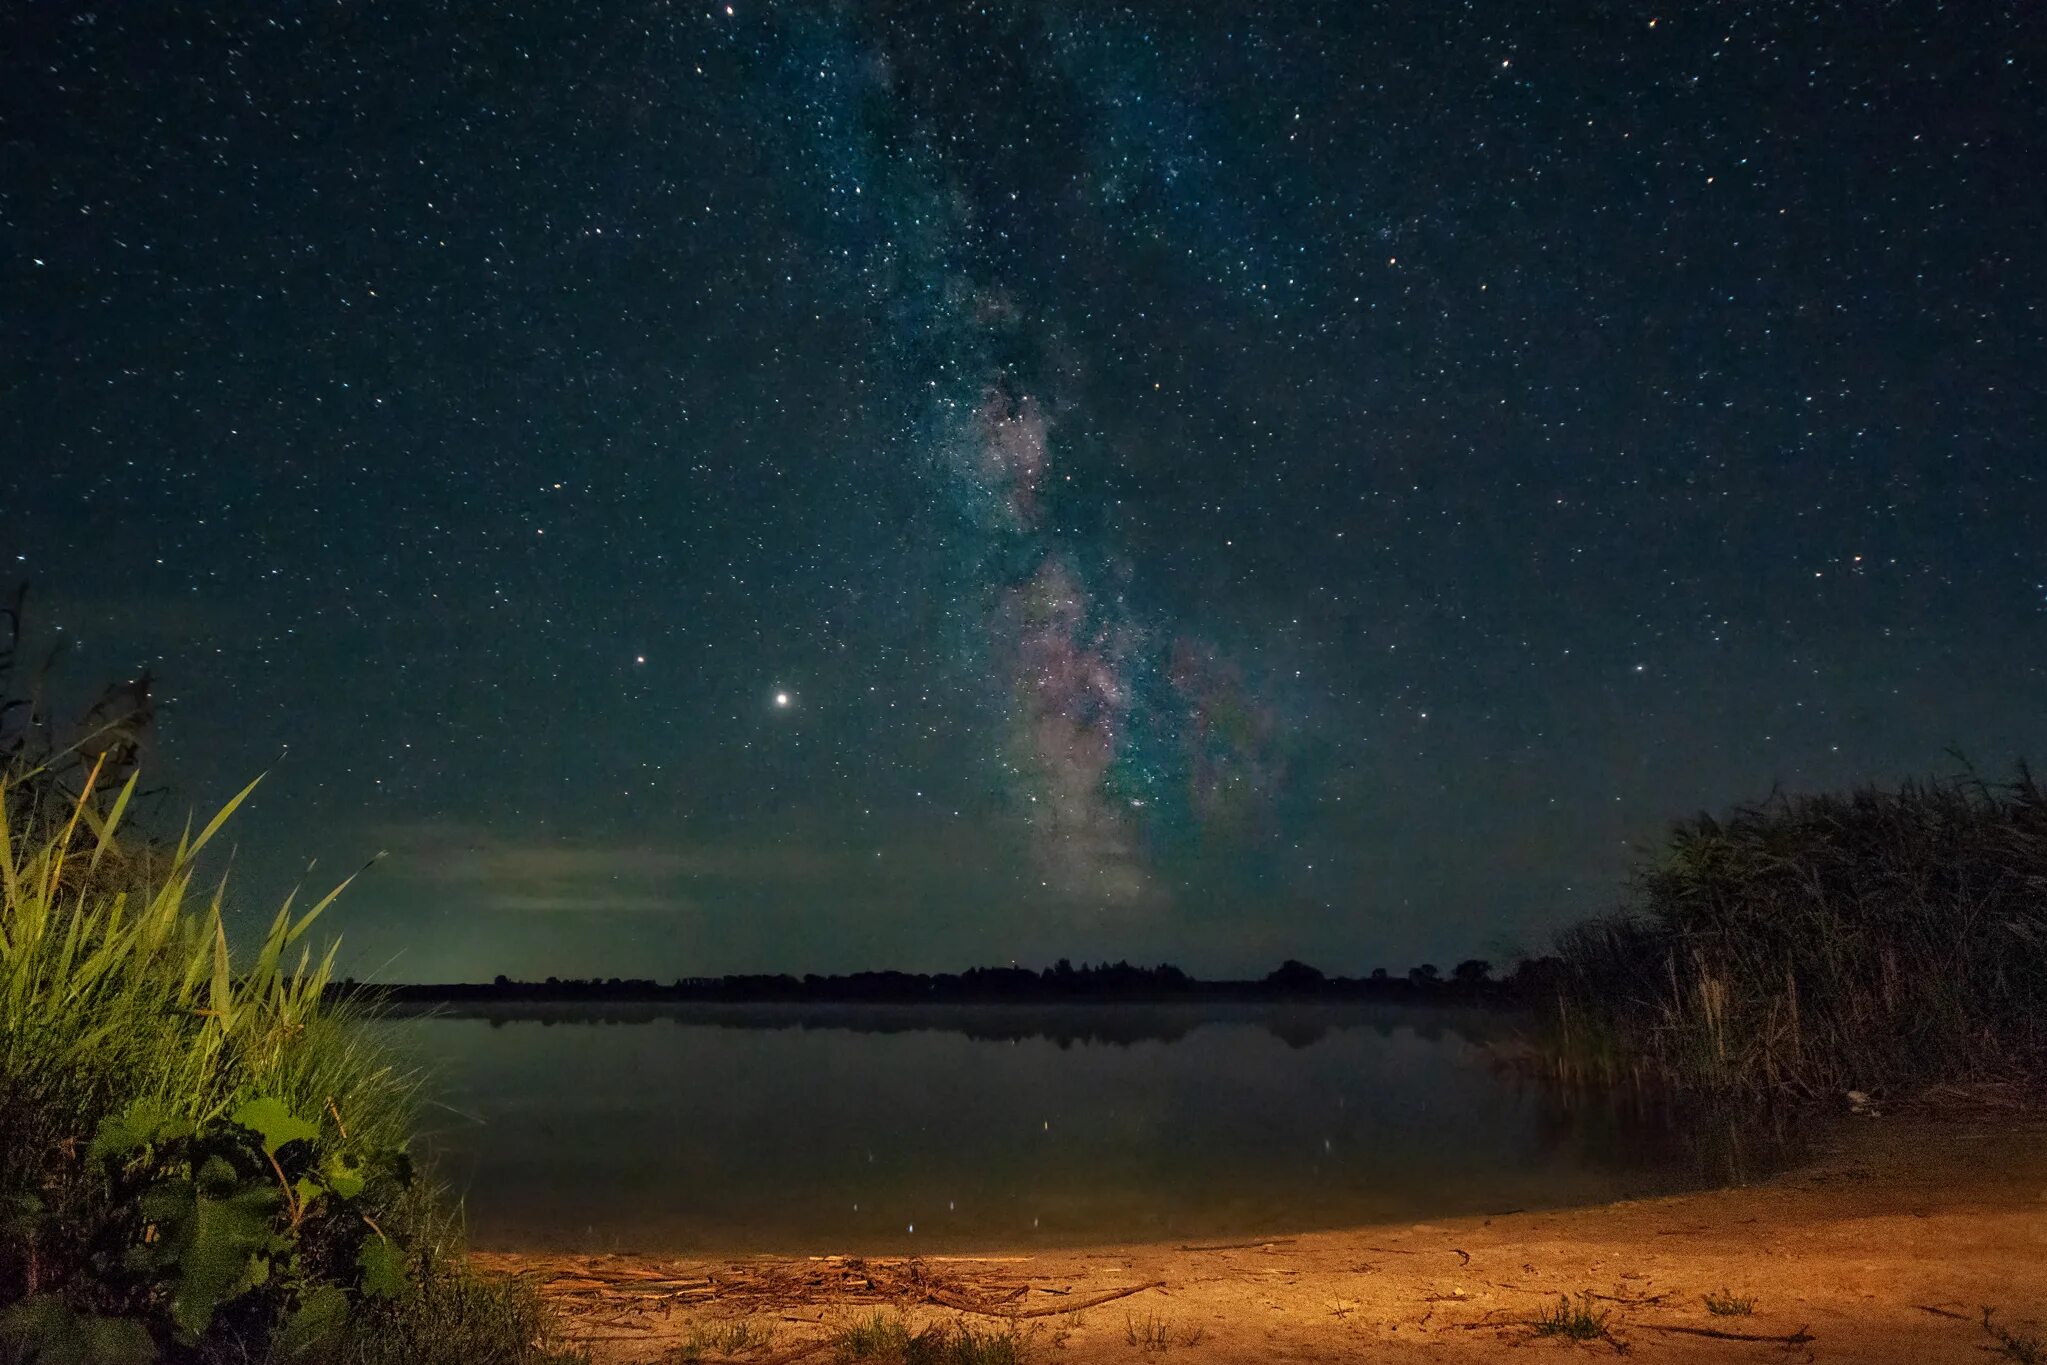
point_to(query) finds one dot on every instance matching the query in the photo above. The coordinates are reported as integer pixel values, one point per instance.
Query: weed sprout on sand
(1572, 1321)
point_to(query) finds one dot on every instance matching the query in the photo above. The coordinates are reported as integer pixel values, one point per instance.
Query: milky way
(1124, 732)
(1113, 741)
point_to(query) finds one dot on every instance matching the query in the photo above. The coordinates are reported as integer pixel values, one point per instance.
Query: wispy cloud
(546, 874)
(583, 902)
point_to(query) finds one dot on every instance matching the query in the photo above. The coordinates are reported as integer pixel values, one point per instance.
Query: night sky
(819, 486)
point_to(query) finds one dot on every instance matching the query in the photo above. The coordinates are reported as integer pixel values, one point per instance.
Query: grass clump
(886, 1339)
(448, 1314)
(2023, 1348)
(1155, 1333)
(880, 1337)
(1878, 941)
(202, 1160)
(724, 1340)
(1148, 1333)
(1572, 1321)
(1726, 1305)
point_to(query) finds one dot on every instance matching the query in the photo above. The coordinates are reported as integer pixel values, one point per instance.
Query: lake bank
(1886, 1245)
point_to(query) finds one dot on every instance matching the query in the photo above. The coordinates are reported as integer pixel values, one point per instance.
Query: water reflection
(902, 1128)
(1297, 1025)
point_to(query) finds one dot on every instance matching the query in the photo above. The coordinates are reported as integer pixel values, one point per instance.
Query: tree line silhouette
(1470, 981)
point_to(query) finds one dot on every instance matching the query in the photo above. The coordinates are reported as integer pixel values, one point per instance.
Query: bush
(201, 1161)
(1810, 945)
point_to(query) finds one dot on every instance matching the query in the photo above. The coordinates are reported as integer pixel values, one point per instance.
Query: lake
(889, 1129)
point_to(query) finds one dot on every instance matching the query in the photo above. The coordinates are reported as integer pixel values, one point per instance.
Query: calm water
(905, 1128)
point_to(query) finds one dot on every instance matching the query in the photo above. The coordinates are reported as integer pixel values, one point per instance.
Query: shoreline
(1886, 1245)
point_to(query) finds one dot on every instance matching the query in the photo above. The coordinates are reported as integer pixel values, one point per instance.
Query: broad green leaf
(313, 1326)
(113, 1341)
(343, 1173)
(215, 1246)
(37, 1320)
(45, 1330)
(383, 1268)
(271, 1119)
(143, 1123)
(166, 1201)
(218, 1178)
(21, 1215)
(307, 1191)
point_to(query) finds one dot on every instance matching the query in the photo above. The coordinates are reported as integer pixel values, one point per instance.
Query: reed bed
(1881, 942)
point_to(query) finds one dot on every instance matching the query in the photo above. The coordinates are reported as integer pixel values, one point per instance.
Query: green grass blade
(105, 829)
(220, 818)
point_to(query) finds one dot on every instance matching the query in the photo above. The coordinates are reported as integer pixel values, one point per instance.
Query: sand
(1886, 1247)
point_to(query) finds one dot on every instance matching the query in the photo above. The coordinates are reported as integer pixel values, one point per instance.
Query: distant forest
(1470, 981)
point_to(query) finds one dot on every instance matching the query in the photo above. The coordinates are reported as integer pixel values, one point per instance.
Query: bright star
(781, 699)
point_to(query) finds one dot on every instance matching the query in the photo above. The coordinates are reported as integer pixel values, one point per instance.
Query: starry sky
(806, 487)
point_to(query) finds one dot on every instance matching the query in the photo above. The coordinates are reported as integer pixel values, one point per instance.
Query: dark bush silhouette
(1879, 940)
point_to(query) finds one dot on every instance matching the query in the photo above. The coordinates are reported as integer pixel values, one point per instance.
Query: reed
(1880, 941)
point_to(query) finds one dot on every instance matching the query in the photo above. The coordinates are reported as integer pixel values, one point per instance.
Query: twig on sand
(1799, 1338)
(1464, 1257)
(946, 1299)
(1493, 1317)
(1242, 1246)
(1943, 1312)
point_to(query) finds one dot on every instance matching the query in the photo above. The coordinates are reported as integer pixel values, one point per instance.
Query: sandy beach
(1887, 1246)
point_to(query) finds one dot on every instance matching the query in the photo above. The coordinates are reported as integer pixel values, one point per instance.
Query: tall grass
(131, 992)
(1882, 941)
(123, 1011)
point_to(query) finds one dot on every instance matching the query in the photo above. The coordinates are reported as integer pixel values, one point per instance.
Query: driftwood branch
(1943, 1312)
(1463, 1256)
(1799, 1338)
(1242, 1246)
(945, 1299)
